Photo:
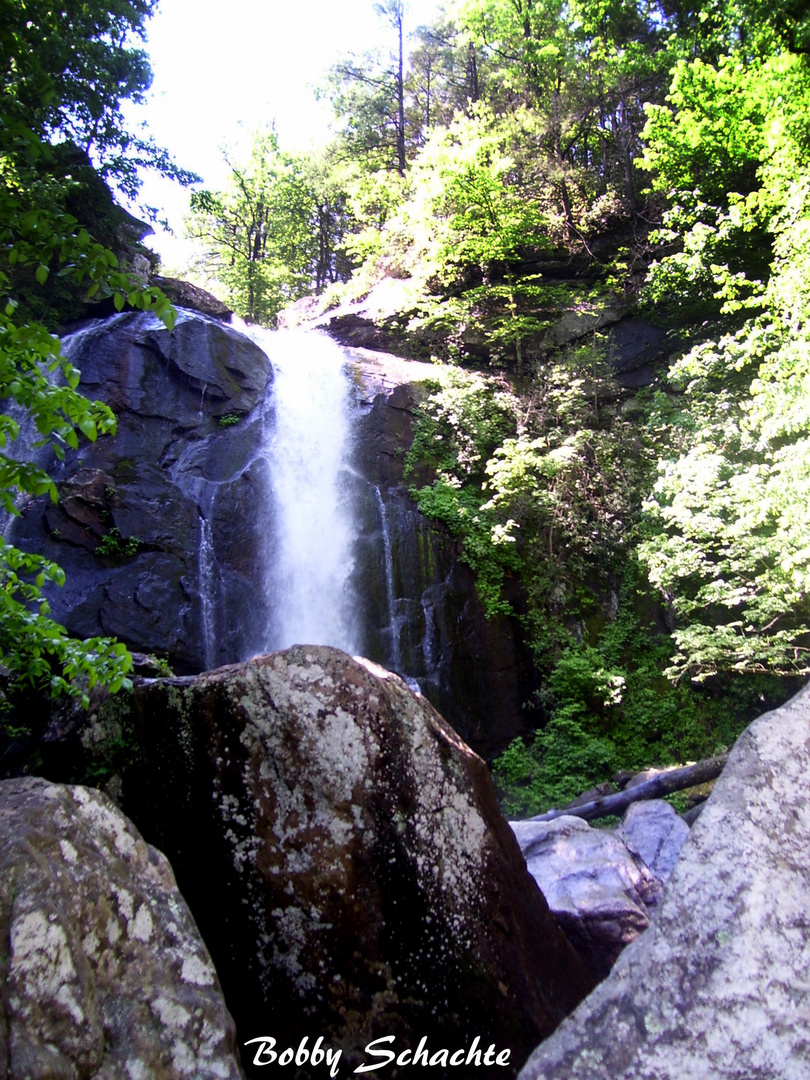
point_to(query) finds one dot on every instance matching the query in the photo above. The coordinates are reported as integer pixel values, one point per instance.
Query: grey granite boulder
(599, 893)
(720, 985)
(656, 832)
(103, 973)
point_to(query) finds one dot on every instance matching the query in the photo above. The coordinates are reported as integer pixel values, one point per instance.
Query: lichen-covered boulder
(345, 858)
(103, 973)
(719, 986)
(600, 893)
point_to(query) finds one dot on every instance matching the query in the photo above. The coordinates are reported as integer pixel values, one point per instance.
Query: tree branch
(662, 784)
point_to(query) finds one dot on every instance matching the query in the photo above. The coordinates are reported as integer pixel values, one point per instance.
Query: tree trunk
(400, 103)
(662, 784)
(473, 89)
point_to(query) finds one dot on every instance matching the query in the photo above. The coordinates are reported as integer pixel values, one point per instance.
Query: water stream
(395, 647)
(309, 546)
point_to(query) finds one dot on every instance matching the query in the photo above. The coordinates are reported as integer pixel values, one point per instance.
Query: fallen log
(665, 783)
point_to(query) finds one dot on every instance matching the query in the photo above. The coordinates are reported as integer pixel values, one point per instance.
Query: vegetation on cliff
(529, 166)
(534, 172)
(64, 73)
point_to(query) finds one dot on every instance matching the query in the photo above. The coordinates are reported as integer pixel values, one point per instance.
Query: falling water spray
(309, 550)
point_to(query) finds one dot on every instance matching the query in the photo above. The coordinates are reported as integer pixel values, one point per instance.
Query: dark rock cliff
(164, 529)
(155, 527)
(476, 671)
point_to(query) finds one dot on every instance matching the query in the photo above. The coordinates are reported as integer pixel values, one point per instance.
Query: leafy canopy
(65, 71)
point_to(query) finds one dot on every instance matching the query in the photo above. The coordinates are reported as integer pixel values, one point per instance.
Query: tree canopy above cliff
(561, 157)
(65, 73)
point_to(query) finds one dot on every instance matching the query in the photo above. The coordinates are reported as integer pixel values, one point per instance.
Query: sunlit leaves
(39, 383)
(731, 544)
(273, 234)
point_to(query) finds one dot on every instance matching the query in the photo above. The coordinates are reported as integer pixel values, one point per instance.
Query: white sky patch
(224, 69)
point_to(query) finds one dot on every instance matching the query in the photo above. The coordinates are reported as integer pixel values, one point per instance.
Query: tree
(729, 544)
(66, 68)
(50, 93)
(368, 95)
(275, 233)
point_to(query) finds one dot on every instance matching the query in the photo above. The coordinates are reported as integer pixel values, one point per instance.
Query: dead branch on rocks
(665, 783)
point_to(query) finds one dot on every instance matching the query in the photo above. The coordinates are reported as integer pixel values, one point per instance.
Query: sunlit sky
(223, 68)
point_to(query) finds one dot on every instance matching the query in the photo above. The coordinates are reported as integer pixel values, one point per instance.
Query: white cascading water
(310, 557)
(207, 572)
(395, 650)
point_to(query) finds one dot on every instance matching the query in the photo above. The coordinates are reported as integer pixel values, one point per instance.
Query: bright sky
(222, 68)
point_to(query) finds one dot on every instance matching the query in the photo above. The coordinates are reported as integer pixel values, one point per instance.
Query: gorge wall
(166, 530)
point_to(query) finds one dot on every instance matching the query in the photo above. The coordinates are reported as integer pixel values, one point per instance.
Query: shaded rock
(637, 350)
(476, 671)
(720, 986)
(359, 331)
(572, 325)
(158, 528)
(186, 295)
(105, 974)
(344, 856)
(655, 831)
(601, 895)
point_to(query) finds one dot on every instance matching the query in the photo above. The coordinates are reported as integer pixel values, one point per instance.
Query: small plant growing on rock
(229, 419)
(114, 545)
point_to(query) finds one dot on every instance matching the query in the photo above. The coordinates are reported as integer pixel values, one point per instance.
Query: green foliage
(274, 234)
(66, 69)
(162, 665)
(542, 487)
(460, 422)
(611, 707)
(114, 546)
(589, 140)
(64, 74)
(729, 541)
(34, 649)
(229, 419)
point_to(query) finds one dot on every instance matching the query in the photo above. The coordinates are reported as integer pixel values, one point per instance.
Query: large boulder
(601, 894)
(720, 984)
(159, 527)
(345, 858)
(103, 973)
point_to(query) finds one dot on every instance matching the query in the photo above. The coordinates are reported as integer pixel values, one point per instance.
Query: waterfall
(309, 544)
(208, 598)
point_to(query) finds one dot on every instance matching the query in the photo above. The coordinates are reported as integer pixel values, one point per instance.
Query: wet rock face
(719, 986)
(476, 671)
(345, 859)
(103, 972)
(156, 526)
